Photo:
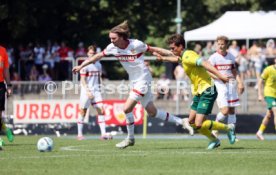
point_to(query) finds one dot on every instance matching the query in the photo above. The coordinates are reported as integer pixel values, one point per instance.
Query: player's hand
(9, 91)
(225, 79)
(240, 88)
(261, 98)
(158, 56)
(76, 69)
(90, 95)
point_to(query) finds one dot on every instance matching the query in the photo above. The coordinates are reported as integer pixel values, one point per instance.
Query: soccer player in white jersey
(130, 54)
(91, 95)
(227, 98)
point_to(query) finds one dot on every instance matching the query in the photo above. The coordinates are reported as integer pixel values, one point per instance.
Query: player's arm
(84, 84)
(7, 74)
(90, 60)
(239, 80)
(160, 57)
(260, 90)
(161, 51)
(212, 69)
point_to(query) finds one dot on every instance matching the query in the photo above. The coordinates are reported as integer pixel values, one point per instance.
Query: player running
(130, 53)
(269, 76)
(204, 91)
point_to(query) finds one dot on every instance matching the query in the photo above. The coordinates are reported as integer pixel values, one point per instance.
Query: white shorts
(141, 91)
(227, 94)
(85, 101)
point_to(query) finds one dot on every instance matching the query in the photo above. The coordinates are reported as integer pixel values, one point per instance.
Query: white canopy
(237, 25)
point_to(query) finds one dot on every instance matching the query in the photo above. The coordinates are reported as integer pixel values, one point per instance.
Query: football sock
(213, 125)
(130, 125)
(3, 125)
(80, 125)
(207, 133)
(262, 128)
(220, 117)
(232, 119)
(101, 122)
(165, 116)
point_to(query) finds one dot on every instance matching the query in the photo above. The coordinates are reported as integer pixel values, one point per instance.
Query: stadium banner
(67, 111)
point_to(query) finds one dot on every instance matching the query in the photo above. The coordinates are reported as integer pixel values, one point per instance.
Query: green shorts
(270, 102)
(203, 103)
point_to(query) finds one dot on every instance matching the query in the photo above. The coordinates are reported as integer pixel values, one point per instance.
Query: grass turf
(147, 157)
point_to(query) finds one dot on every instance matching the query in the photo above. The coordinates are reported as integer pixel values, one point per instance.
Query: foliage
(90, 20)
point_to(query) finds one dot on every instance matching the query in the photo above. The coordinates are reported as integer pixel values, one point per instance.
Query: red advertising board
(67, 111)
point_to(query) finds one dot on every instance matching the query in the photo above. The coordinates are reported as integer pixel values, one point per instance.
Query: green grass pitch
(147, 157)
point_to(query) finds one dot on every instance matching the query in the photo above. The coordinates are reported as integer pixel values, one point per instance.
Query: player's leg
(263, 125)
(101, 122)
(271, 103)
(128, 108)
(3, 126)
(84, 105)
(204, 107)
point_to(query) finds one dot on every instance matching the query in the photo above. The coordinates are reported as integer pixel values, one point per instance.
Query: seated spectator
(45, 76)
(208, 50)
(81, 51)
(163, 88)
(180, 76)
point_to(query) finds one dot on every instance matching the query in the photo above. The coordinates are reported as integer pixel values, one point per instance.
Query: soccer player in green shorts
(203, 90)
(269, 76)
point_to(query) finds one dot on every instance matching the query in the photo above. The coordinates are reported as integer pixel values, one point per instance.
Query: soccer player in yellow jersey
(202, 88)
(269, 76)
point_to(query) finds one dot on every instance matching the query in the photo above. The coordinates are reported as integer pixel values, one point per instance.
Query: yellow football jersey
(198, 75)
(269, 75)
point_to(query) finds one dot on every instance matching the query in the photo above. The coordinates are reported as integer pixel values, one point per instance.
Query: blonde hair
(122, 30)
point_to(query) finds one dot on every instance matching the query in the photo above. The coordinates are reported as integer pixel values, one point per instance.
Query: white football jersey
(92, 72)
(223, 63)
(132, 59)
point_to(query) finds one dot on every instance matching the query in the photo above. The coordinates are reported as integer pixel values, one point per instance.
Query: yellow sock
(212, 125)
(3, 126)
(262, 128)
(207, 133)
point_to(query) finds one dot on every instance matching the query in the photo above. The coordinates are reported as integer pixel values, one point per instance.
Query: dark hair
(177, 39)
(223, 38)
(93, 47)
(122, 30)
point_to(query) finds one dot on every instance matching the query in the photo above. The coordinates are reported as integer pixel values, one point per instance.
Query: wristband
(9, 85)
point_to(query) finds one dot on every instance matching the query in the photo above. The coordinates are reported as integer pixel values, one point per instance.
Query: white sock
(220, 117)
(130, 125)
(80, 125)
(165, 116)
(232, 119)
(101, 122)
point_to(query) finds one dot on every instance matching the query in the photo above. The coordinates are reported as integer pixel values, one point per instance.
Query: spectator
(180, 77)
(163, 87)
(198, 50)
(44, 77)
(81, 51)
(208, 50)
(39, 54)
(234, 48)
(270, 48)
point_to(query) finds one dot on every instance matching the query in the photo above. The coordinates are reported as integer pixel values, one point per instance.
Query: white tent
(237, 25)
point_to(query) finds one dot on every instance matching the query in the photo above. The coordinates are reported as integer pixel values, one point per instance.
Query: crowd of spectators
(49, 61)
(41, 62)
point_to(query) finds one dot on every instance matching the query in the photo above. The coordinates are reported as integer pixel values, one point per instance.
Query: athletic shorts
(141, 91)
(2, 96)
(227, 94)
(203, 103)
(85, 101)
(270, 102)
